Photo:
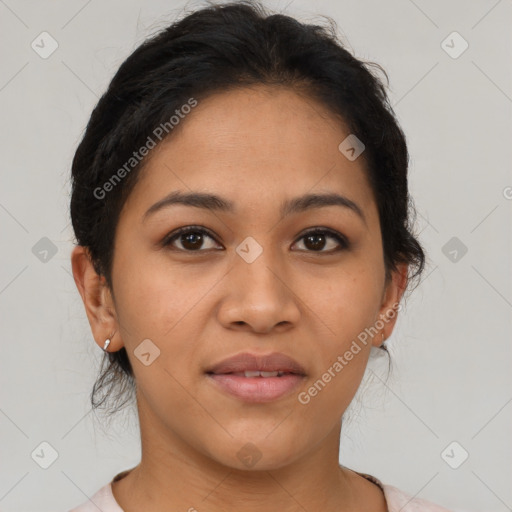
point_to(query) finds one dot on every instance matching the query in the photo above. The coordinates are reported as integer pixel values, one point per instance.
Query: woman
(240, 205)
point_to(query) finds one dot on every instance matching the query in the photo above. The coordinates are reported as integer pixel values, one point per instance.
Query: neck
(175, 476)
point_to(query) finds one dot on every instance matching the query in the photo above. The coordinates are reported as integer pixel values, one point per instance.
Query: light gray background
(451, 349)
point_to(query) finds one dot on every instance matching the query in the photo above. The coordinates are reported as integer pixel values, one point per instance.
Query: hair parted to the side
(211, 50)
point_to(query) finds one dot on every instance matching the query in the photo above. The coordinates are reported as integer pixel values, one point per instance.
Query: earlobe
(96, 297)
(388, 312)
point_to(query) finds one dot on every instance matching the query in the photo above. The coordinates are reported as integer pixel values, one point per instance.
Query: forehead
(254, 143)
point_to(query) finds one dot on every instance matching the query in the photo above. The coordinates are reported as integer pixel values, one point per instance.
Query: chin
(256, 455)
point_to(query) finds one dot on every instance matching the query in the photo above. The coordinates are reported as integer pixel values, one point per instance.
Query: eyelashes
(179, 234)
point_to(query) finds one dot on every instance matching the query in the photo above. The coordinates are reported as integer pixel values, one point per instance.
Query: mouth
(263, 364)
(255, 373)
(257, 378)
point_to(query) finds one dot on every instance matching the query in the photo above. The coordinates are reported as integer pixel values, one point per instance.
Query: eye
(316, 239)
(192, 239)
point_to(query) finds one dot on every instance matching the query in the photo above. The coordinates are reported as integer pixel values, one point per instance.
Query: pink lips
(229, 376)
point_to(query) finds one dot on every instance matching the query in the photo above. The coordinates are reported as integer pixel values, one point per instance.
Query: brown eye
(316, 240)
(191, 239)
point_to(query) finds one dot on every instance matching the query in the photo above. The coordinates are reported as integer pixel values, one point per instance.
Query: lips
(246, 365)
(257, 378)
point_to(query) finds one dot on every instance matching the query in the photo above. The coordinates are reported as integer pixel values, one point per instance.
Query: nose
(259, 296)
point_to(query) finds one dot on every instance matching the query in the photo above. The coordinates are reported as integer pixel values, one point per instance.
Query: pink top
(396, 500)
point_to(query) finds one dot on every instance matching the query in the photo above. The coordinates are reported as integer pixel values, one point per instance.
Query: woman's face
(254, 282)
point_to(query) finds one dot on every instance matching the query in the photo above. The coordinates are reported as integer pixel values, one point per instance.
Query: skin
(256, 147)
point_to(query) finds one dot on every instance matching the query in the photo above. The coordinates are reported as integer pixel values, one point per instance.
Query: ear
(388, 312)
(97, 299)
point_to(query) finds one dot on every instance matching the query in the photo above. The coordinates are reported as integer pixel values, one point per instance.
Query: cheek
(152, 296)
(343, 311)
(330, 392)
(348, 303)
(162, 303)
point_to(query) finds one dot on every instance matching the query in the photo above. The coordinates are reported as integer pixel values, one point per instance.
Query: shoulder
(102, 500)
(398, 500)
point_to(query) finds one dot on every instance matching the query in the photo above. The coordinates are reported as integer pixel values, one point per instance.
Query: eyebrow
(290, 206)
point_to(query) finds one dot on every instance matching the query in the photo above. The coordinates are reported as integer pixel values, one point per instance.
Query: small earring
(382, 338)
(107, 343)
